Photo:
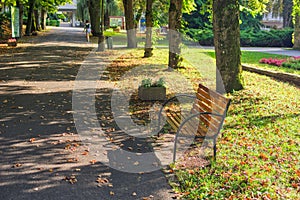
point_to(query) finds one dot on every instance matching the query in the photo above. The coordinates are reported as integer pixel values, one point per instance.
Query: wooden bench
(204, 120)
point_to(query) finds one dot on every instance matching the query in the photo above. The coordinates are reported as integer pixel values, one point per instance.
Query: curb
(292, 78)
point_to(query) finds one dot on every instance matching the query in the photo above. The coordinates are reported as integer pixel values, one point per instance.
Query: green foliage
(292, 63)
(188, 6)
(272, 38)
(160, 12)
(203, 36)
(61, 16)
(199, 18)
(160, 83)
(255, 7)
(52, 22)
(148, 83)
(249, 21)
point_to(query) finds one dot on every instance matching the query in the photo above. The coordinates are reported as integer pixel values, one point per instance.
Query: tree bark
(43, 18)
(21, 11)
(287, 13)
(37, 20)
(175, 14)
(297, 32)
(30, 17)
(226, 30)
(94, 8)
(106, 16)
(149, 25)
(130, 25)
(101, 39)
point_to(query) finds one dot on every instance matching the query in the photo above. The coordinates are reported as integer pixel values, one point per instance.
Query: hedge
(272, 38)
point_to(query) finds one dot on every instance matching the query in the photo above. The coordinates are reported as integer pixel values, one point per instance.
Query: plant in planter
(155, 91)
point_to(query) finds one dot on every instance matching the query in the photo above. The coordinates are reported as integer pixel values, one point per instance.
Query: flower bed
(292, 62)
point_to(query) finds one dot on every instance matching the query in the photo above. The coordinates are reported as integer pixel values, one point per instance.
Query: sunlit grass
(258, 153)
(252, 58)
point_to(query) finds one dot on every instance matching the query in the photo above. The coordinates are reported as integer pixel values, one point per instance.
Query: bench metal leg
(215, 148)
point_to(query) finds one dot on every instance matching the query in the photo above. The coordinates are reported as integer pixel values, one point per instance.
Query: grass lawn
(252, 58)
(120, 38)
(258, 153)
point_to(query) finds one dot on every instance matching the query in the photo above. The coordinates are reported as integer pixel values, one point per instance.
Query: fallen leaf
(93, 161)
(17, 165)
(31, 140)
(71, 179)
(102, 180)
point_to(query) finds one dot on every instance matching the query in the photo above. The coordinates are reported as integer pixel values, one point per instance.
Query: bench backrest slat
(210, 101)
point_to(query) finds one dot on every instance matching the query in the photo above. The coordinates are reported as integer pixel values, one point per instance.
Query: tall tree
(21, 12)
(106, 15)
(130, 24)
(101, 45)
(296, 13)
(227, 45)
(149, 26)
(94, 10)
(31, 4)
(175, 15)
(287, 13)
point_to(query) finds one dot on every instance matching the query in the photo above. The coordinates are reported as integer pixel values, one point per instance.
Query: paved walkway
(41, 153)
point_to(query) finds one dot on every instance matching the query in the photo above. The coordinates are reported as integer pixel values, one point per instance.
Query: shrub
(293, 62)
(203, 36)
(248, 37)
(272, 38)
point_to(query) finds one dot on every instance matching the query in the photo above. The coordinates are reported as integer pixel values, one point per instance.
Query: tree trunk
(101, 39)
(297, 31)
(21, 10)
(94, 8)
(226, 30)
(43, 18)
(130, 25)
(37, 20)
(287, 13)
(175, 14)
(106, 16)
(30, 17)
(149, 25)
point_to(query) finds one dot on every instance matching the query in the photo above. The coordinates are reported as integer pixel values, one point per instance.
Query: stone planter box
(152, 93)
(12, 44)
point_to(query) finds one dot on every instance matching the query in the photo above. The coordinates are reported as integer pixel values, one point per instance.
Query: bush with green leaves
(148, 83)
(272, 38)
(249, 37)
(293, 63)
(203, 36)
